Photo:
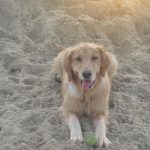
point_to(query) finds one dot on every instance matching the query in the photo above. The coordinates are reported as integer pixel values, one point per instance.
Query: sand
(33, 32)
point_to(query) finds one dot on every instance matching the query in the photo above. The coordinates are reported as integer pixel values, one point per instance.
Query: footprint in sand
(36, 69)
(11, 62)
(30, 81)
(6, 93)
(31, 123)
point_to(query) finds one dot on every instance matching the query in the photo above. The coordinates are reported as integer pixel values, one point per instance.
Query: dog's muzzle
(86, 83)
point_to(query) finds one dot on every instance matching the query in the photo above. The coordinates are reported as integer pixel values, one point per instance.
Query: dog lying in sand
(86, 71)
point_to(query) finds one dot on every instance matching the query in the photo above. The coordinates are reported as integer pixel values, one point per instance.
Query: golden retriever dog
(86, 71)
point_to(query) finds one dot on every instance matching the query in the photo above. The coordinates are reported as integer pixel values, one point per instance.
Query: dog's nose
(86, 74)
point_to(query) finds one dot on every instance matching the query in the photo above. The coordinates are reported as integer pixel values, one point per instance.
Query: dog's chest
(89, 104)
(81, 102)
(72, 90)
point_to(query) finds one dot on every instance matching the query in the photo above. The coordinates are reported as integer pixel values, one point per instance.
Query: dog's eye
(78, 59)
(94, 58)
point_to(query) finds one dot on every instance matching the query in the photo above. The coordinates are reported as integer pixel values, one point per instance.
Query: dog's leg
(100, 126)
(75, 128)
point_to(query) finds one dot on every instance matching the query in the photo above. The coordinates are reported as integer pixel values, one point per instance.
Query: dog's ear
(105, 61)
(68, 68)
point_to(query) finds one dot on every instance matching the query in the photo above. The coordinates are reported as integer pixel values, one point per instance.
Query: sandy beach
(33, 32)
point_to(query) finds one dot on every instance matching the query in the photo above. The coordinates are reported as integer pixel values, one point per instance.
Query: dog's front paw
(76, 137)
(104, 142)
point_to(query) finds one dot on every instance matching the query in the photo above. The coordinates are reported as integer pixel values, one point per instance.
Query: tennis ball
(90, 139)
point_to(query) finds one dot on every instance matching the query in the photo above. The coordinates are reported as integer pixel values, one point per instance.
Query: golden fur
(69, 65)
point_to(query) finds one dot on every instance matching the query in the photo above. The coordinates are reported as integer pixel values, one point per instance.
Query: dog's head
(86, 62)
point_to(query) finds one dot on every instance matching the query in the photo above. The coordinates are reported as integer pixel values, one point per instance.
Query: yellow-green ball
(90, 139)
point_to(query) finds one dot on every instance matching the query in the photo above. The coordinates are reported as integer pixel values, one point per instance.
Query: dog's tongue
(86, 84)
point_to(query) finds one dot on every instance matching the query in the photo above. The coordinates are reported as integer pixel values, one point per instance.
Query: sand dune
(33, 32)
